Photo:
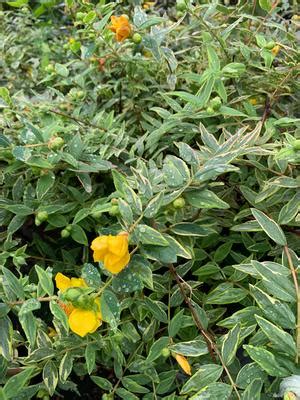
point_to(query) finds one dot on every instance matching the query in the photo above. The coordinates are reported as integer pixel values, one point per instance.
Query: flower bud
(55, 143)
(64, 233)
(179, 203)
(136, 38)
(114, 210)
(165, 352)
(72, 294)
(296, 144)
(42, 216)
(216, 103)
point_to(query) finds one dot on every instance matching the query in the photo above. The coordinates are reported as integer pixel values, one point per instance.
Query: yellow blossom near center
(183, 362)
(121, 27)
(81, 321)
(275, 50)
(112, 251)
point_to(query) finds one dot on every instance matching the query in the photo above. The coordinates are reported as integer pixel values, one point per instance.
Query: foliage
(185, 135)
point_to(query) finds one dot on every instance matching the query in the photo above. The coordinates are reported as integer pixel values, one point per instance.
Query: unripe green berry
(296, 144)
(215, 103)
(56, 143)
(37, 221)
(180, 5)
(114, 210)
(72, 294)
(165, 352)
(210, 110)
(136, 38)
(64, 233)
(179, 203)
(270, 45)
(42, 216)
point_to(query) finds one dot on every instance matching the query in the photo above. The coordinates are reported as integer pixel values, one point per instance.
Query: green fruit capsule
(72, 294)
(165, 352)
(64, 233)
(270, 45)
(136, 38)
(180, 5)
(216, 103)
(210, 110)
(114, 210)
(37, 221)
(42, 216)
(56, 143)
(296, 144)
(179, 203)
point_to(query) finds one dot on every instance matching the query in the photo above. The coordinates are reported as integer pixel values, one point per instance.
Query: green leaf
(15, 384)
(13, 283)
(176, 172)
(102, 383)
(206, 374)
(278, 312)
(29, 325)
(50, 376)
(133, 386)
(289, 210)
(66, 366)
(59, 314)
(4, 94)
(148, 235)
(154, 205)
(266, 5)
(193, 348)
(79, 235)
(266, 360)
(100, 25)
(280, 340)
(29, 305)
(271, 228)
(249, 373)
(91, 275)
(126, 212)
(44, 184)
(89, 17)
(61, 70)
(17, 3)
(110, 309)
(45, 280)
(205, 199)
(230, 344)
(275, 282)
(128, 280)
(191, 229)
(253, 390)
(156, 310)
(90, 357)
(225, 293)
(215, 391)
(176, 323)
(6, 332)
(156, 348)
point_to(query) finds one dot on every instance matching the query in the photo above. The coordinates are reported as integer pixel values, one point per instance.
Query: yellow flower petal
(100, 247)
(115, 264)
(62, 282)
(183, 362)
(118, 245)
(83, 322)
(78, 282)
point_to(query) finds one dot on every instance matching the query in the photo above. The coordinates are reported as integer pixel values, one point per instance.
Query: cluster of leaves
(187, 137)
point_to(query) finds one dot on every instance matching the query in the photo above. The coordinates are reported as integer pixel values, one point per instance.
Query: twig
(210, 343)
(14, 303)
(295, 279)
(78, 120)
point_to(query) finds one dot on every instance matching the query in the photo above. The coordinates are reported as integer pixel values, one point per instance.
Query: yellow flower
(112, 251)
(81, 321)
(183, 362)
(148, 4)
(253, 101)
(121, 27)
(275, 50)
(63, 282)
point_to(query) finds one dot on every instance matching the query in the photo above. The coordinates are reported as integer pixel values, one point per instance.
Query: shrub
(149, 200)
